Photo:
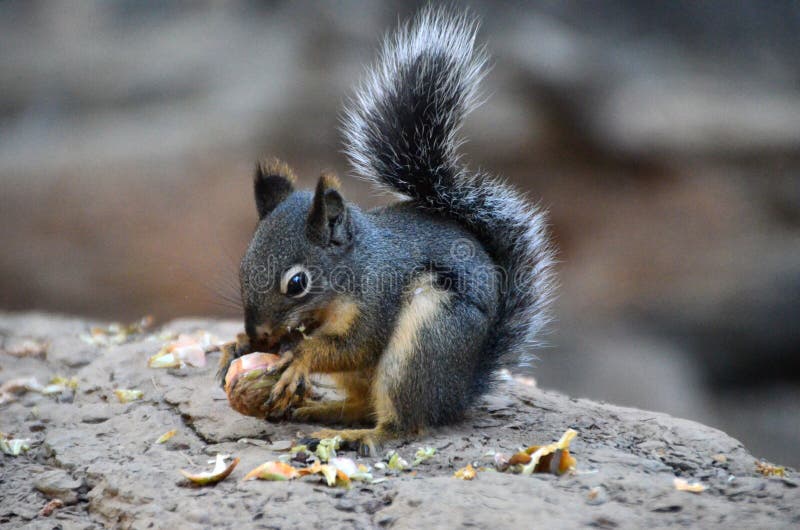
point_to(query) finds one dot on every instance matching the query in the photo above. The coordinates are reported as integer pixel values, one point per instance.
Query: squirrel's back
(401, 133)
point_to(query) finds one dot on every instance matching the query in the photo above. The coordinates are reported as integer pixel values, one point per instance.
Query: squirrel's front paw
(290, 389)
(230, 352)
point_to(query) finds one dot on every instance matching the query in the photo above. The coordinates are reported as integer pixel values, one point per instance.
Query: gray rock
(58, 484)
(133, 482)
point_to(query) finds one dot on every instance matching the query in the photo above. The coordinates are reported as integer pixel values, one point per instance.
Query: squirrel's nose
(263, 330)
(262, 338)
(257, 331)
(256, 328)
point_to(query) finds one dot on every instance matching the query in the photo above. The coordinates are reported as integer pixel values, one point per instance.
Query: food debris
(282, 471)
(273, 471)
(27, 348)
(301, 457)
(13, 446)
(352, 470)
(423, 454)
(21, 384)
(166, 436)
(501, 461)
(126, 396)
(684, 485)
(396, 462)
(327, 447)
(720, 458)
(220, 472)
(338, 471)
(519, 458)
(770, 470)
(345, 465)
(248, 382)
(116, 333)
(466, 473)
(328, 471)
(48, 509)
(553, 458)
(363, 473)
(185, 350)
(59, 385)
(14, 387)
(333, 475)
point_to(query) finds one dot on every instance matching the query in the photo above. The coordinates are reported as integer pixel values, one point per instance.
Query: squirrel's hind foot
(345, 412)
(366, 442)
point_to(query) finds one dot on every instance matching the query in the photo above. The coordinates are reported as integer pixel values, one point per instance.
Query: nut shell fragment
(164, 438)
(553, 458)
(220, 472)
(333, 476)
(770, 470)
(273, 471)
(186, 350)
(126, 396)
(684, 485)
(466, 473)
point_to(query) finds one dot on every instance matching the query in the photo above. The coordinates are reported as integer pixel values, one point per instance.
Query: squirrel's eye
(296, 282)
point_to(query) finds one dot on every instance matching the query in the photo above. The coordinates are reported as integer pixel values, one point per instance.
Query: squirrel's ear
(272, 183)
(328, 221)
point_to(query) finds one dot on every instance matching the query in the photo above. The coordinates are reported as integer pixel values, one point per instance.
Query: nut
(249, 381)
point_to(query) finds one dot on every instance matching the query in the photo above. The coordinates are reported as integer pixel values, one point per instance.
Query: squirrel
(411, 307)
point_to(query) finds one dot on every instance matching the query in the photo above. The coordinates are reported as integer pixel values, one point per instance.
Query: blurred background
(664, 138)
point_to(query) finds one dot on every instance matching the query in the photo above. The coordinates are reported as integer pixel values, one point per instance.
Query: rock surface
(99, 456)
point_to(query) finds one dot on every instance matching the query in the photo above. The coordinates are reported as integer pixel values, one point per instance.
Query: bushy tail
(401, 133)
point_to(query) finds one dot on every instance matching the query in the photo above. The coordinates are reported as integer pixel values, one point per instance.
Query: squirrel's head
(300, 238)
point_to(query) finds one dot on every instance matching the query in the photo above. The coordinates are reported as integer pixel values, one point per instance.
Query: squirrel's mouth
(285, 339)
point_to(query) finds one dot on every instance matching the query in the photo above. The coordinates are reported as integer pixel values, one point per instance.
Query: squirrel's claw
(310, 442)
(283, 364)
(366, 442)
(289, 390)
